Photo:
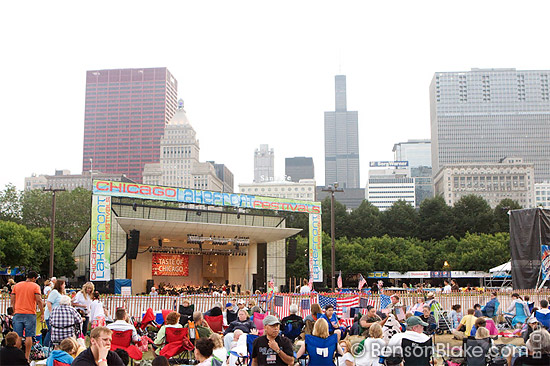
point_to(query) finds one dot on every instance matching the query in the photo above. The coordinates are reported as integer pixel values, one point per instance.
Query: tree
(473, 214)
(481, 252)
(364, 221)
(400, 220)
(10, 204)
(300, 267)
(72, 212)
(30, 248)
(436, 219)
(501, 217)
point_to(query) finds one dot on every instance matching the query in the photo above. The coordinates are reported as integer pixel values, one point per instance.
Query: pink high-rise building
(126, 111)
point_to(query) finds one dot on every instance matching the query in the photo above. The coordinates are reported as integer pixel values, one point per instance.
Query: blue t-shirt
(54, 298)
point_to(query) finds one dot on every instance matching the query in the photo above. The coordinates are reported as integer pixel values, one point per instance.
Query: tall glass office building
(126, 111)
(484, 115)
(341, 141)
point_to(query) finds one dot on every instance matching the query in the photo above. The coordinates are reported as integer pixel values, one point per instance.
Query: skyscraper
(126, 111)
(416, 152)
(485, 115)
(264, 164)
(179, 164)
(341, 141)
(298, 168)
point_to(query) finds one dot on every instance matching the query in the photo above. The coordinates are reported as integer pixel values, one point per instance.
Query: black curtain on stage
(529, 229)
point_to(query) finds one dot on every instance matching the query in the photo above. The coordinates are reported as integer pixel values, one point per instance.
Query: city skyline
(244, 79)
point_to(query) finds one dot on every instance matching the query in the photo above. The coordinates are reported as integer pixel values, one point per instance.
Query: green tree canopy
(30, 248)
(10, 204)
(472, 214)
(364, 221)
(436, 219)
(501, 217)
(400, 220)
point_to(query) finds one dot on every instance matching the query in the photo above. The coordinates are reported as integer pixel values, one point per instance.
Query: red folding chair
(123, 339)
(177, 341)
(215, 323)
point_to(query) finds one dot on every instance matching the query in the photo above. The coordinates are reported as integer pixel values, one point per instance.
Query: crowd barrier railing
(137, 305)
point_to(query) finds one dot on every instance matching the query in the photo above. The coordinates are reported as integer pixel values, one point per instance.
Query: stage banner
(545, 257)
(100, 239)
(199, 197)
(170, 264)
(315, 248)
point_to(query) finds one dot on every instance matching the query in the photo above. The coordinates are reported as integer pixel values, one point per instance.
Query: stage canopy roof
(178, 230)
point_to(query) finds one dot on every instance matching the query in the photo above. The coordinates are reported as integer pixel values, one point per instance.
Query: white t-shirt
(372, 350)
(305, 289)
(346, 357)
(122, 326)
(447, 289)
(82, 300)
(220, 353)
(96, 309)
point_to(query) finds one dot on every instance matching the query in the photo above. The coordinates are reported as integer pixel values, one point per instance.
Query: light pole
(52, 230)
(332, 189)
(92, 174)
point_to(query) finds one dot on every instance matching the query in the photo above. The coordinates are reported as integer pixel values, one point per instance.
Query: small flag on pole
(340, 280)
(362, 281)
(310, 282)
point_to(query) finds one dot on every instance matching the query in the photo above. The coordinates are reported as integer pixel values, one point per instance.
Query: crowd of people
(376, 337)
(183, 290)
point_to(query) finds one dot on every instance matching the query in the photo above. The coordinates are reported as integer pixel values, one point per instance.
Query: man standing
(24, 297)
(271, 348)
(99, 352)
(447, 287)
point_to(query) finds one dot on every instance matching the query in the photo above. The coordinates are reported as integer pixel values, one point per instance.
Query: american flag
(324, 301)
(340, 280)
(344, 304)
(305, 305)
(281, 305)
(311, 282)
(362, 281)
(366, 302)
(385, 301)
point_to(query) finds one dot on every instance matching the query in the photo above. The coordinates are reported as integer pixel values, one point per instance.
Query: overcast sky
(250, 72)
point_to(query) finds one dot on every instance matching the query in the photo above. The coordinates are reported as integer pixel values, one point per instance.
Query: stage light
(238, 215)
(199, 213)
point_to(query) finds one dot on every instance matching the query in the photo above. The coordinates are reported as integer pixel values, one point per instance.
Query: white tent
(506, 267)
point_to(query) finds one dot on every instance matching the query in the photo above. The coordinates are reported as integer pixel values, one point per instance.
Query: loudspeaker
(132, 244)
(150, 283)
(291, 256)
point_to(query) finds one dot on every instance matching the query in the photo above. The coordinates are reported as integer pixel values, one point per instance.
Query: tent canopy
(506, 267)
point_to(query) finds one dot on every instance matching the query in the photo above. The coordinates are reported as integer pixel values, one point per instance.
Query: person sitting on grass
(63, 353)
(11, 353)
(99, 352)
(172, 321)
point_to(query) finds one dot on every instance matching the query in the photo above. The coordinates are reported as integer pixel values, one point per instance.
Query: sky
(250, 72)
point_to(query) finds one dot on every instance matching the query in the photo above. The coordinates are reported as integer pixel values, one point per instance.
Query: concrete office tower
(126, 111)
(341, 141)
(179, 158)
(299, 168)
(485, 115)
(264, 164)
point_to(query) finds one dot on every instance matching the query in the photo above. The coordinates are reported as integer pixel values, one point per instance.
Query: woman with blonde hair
(346, 359)
(319, 339)
(219, 350)
(83, 300)
(369, 350)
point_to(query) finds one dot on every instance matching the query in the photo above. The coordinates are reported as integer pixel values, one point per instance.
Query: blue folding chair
(543, 319)
(321, 351)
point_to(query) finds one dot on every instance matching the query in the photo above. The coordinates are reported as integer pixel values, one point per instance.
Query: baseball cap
(241, 301)
(415, 320)
(532, 320)
(271, 320)
(228, 305)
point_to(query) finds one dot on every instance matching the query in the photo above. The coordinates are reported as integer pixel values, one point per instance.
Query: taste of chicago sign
(170, 264)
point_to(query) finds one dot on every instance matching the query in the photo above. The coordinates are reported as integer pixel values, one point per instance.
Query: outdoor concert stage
(142, 239)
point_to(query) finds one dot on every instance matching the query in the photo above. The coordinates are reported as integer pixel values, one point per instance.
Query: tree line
(469, 236)
(25, 220)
